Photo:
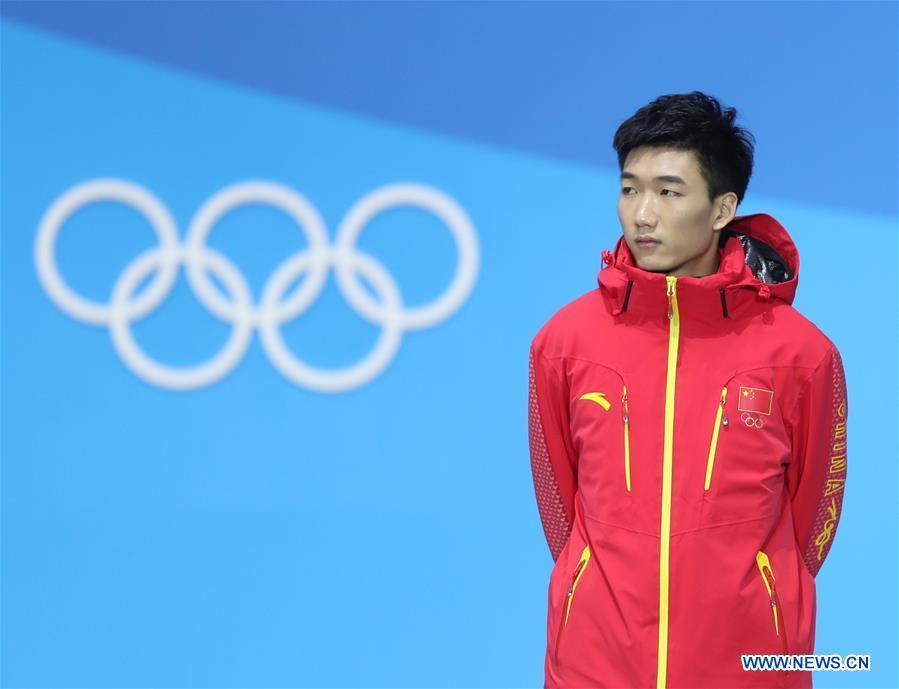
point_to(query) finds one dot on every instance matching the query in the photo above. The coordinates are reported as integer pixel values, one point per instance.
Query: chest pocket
(602, 430)
(746, 451)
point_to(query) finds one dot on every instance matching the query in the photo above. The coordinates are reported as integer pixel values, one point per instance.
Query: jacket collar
(758, 265)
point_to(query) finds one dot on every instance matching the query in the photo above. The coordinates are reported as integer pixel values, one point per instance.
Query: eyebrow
(674, 179)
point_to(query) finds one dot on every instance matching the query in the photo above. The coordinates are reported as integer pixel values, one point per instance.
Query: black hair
(694, 122)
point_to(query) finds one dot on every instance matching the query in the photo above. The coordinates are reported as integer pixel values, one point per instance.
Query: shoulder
(807, 343)
(560, 333)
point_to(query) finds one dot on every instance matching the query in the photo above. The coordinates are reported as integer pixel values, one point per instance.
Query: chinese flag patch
(756, 400)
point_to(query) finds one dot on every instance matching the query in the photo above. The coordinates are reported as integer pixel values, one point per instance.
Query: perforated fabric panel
(830, 504)
(556, 523)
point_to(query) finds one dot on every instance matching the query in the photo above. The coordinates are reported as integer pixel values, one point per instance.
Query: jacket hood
(758, 263)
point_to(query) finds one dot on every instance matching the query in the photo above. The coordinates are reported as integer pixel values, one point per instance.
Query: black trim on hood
(627, 295)
(766, 264)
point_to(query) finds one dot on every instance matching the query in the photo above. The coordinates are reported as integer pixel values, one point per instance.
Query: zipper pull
(724, 421)
(774, 612)
(624, 405)
(670, 294)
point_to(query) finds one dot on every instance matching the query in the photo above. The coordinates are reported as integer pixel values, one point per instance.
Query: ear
(726, 209)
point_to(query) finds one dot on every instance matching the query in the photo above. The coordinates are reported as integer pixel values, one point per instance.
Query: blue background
(256, 533)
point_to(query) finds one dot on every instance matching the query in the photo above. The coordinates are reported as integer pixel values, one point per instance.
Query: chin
(653, 266)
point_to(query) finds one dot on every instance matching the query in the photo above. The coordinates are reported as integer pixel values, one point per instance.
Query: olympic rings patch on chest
(751, 421)
(273, 309)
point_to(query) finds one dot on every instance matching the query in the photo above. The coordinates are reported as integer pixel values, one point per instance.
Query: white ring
(443, 207)
(243, 193)
(179, 378)
(352, 376)
(74, 199)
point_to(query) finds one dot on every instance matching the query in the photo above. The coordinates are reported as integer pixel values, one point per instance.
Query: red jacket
(688, 448)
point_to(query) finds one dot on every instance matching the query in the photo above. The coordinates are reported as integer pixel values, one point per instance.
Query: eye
(624, 190)
(674, 193)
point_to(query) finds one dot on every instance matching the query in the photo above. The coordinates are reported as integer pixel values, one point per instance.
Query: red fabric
(776, 482)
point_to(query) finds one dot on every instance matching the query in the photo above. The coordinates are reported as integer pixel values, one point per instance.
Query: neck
(707, 264)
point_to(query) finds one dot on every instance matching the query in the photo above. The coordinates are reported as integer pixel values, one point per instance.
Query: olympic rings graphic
(273, 309)
(749, 420)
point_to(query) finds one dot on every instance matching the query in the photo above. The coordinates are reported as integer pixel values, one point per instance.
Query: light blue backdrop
(257, 532)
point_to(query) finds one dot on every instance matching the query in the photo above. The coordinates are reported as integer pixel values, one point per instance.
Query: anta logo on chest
(598, 397)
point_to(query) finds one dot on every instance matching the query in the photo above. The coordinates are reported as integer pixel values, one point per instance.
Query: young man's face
(664, 197)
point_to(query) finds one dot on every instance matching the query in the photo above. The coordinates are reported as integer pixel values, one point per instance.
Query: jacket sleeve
(817, 474)
(552, 454)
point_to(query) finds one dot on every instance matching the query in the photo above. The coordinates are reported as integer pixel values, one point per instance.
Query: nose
(645, 214)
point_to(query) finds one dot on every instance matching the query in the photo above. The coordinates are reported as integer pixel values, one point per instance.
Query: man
(687, 428)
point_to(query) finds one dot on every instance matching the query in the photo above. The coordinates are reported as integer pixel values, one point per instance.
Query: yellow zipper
(764, 564)
(627, 442)
(720, 419)
(578, 572)
(667, 460)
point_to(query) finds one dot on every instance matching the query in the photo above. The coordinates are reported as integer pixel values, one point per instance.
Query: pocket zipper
(768, 577)
(579, 570)
(720, 420)
(627, 441)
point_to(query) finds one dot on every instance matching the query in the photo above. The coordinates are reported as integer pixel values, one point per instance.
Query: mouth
(647, 242)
